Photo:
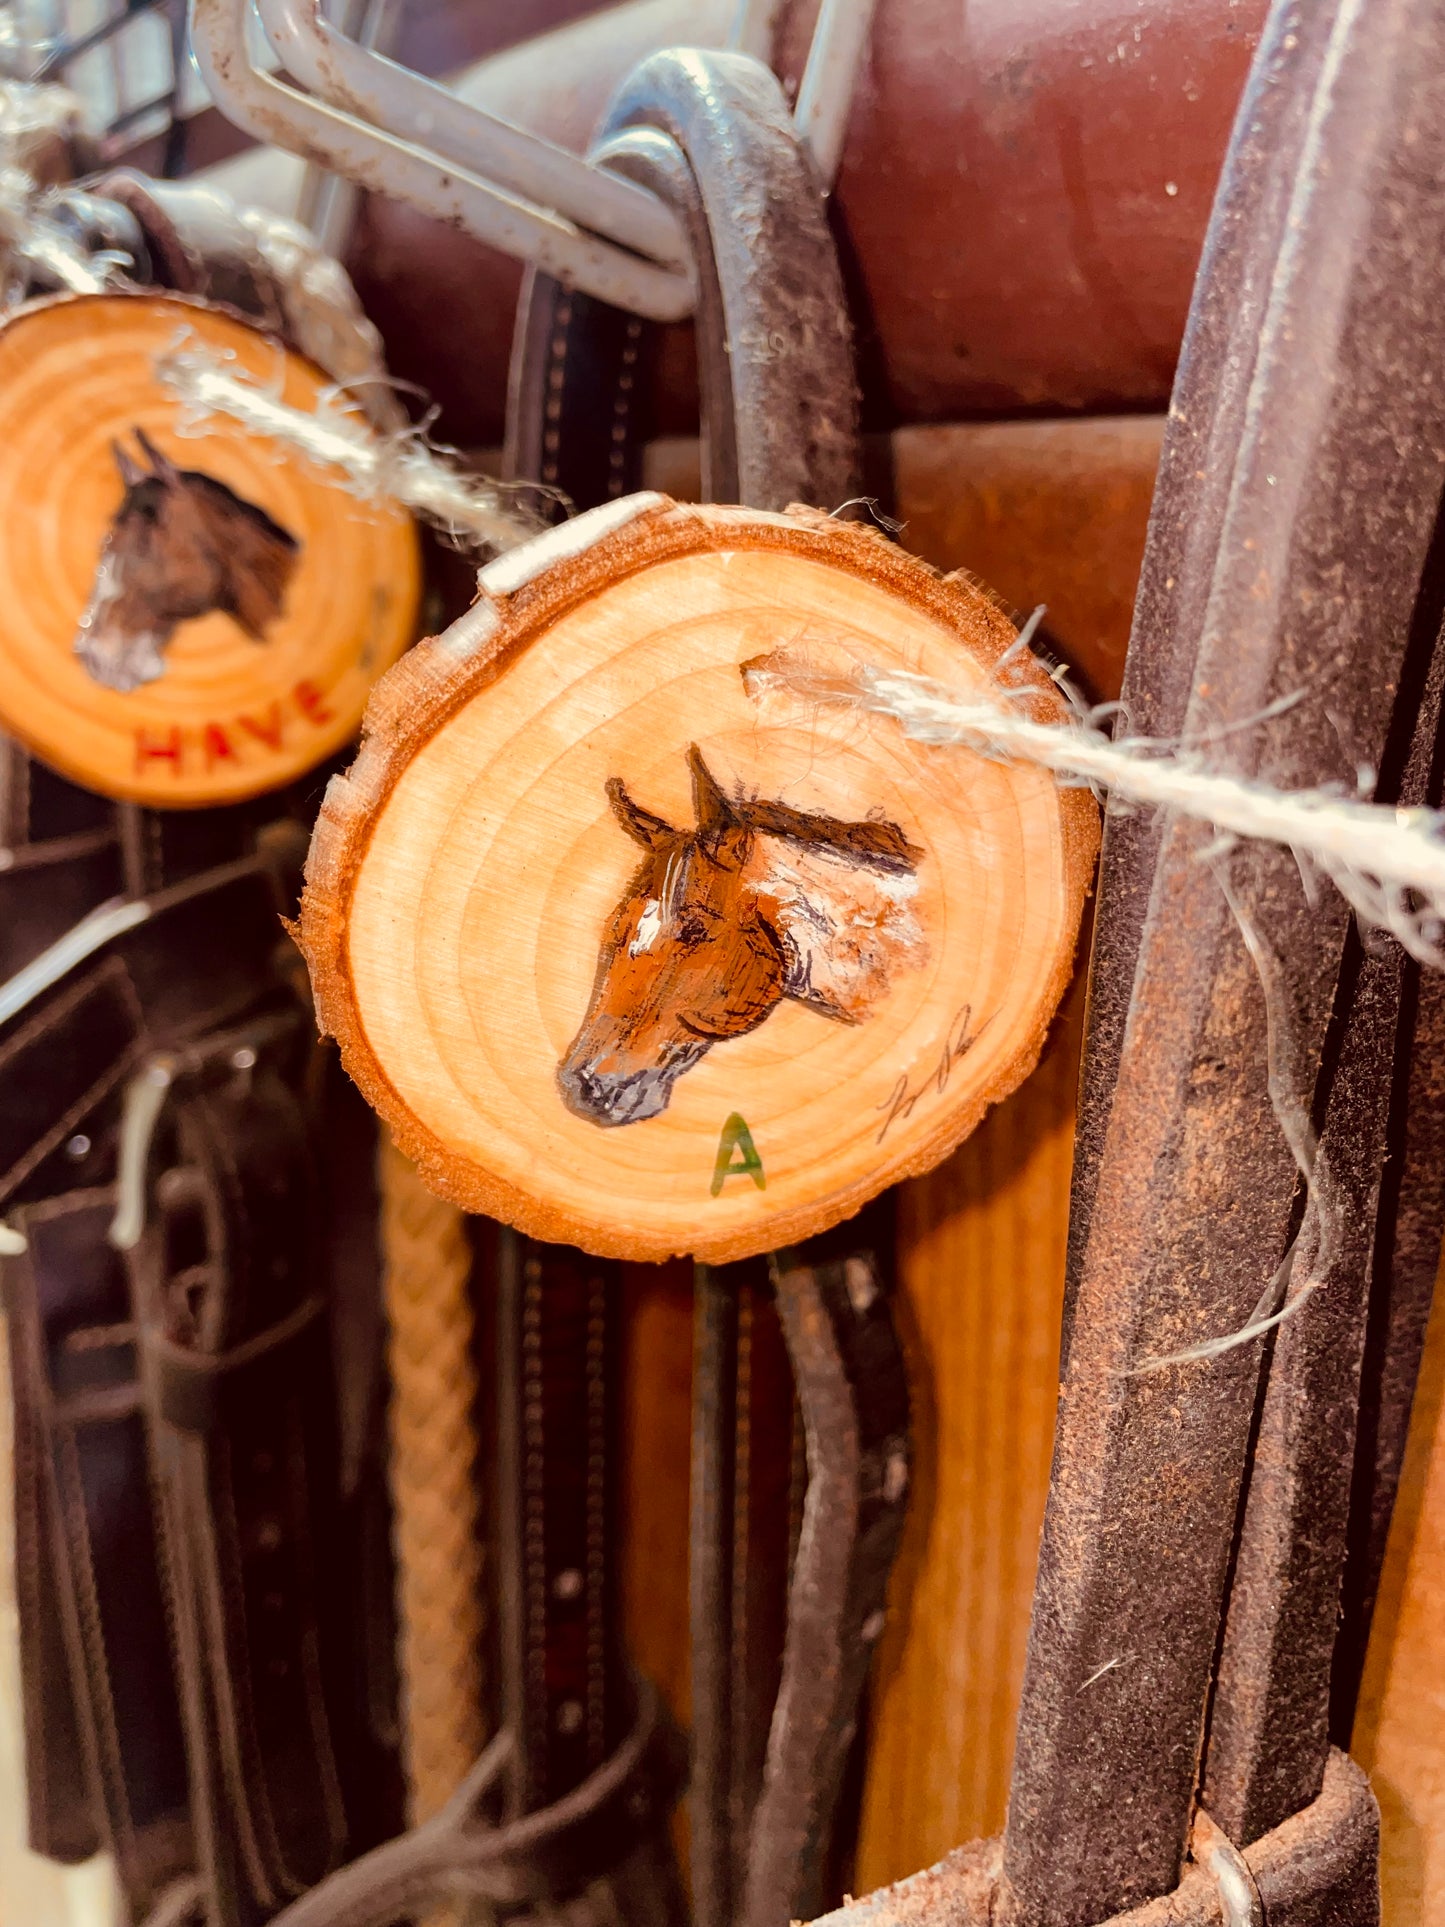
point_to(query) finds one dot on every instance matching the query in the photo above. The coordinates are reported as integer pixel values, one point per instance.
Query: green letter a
(736, 1137)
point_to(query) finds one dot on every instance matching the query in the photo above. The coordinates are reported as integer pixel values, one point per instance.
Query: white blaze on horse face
(649, 928)
(849, 924)
(112, 657)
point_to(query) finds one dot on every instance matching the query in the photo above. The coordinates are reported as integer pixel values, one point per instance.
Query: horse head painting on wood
(180, 545)
(758, 903)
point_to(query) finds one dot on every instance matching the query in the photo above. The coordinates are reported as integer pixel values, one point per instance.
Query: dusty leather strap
(1299, 494)
(1270, 1724)
(1318, 1869)
(712, 136)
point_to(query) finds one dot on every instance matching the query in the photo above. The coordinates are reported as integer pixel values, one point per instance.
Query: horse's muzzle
(611, 1097)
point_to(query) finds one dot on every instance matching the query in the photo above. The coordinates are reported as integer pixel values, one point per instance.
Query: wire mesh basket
(128, 60)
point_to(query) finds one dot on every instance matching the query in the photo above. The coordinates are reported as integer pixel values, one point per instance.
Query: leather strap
(205, 1384)
(87, 1554)
(712, 136)
(1317, 1868)
(1299, 501)
(233, 1348)
(568, 1693)
(534, 1862)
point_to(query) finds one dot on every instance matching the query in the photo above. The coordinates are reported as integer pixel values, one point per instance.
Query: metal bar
(399, 102)
(753, 29)
(273, 112)
(825, 93)
(327, 204)
(1299, 489)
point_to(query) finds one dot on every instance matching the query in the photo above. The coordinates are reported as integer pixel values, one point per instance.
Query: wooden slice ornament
(188, 619)
(639, 953)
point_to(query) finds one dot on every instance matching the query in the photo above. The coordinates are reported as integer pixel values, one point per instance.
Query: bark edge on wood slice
(633, 959)
(192, 617)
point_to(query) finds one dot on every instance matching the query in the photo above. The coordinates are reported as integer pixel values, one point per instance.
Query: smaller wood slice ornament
(642, 954)
(188, 619)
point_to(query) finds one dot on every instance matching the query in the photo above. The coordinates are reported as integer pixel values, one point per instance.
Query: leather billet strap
(773, 1711)
(1319, 1866)
(1184, 1626)
(568, 1696)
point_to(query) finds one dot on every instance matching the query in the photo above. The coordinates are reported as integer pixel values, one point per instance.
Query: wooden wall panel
(981, 1253)
(1399, 1733)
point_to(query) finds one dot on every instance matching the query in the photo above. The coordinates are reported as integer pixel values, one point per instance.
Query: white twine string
(1319, 1230)
(1388, 863)
(401, 468)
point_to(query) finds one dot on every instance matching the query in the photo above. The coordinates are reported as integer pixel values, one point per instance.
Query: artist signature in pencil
(904, 1097)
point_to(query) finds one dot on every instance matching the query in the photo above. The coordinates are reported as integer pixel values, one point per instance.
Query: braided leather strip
(426, 1267)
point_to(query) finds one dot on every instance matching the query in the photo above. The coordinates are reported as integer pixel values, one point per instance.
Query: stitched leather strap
(233, 1352)
(87, 1554)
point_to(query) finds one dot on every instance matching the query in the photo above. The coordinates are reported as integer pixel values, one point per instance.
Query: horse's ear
(130, 469)
(162, 467)
(714, 811)
(640, 824)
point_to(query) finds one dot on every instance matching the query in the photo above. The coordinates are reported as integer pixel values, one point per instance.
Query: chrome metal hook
(378, 159)
(388, 129)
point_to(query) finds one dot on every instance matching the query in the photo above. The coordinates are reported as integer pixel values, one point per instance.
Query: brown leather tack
(1318, 1869)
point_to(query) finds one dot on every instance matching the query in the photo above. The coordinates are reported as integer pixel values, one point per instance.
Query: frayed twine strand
(402, 468)
(1319, 1227)
(1388, 863)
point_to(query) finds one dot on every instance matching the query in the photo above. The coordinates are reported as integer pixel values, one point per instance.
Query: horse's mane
(227, 498)
(879, 843)
(152, 487)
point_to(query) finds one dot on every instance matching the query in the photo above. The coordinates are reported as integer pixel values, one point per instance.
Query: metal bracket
(388, 129)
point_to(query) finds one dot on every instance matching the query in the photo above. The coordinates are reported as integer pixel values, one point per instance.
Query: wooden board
(1399, 1735)
(188, 619)
(634, 958)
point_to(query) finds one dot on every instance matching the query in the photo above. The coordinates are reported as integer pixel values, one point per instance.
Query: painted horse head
(180, 545)
(759, 902)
